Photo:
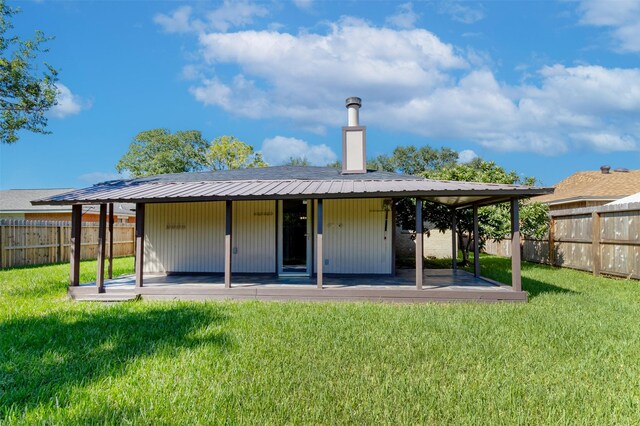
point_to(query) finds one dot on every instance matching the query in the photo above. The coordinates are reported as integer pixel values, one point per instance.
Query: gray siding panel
(354, 239)
(184, 237)
(254, 236)
(189, 237)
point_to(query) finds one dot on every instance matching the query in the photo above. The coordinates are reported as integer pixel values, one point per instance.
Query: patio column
(227, 243)
(516, 279)
(476, 243)
(139, 243)
(393, 236)
(102, 230)
(319, 255)
(419, 244)
(110, 270)
(74, 248)
(454, 246)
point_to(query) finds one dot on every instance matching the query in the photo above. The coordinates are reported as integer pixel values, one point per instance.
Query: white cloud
(232, 13)
(404, 18)
(411, 81)
(309, 75)
(466, 155)
(97, 177)
(461, 12)
(279, 149)
(303, 4)
(178, 21)
(621, 16)
(68, 103)
(235, 13)
(606, 142)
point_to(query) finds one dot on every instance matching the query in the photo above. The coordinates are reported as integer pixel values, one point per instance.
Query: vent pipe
(353, 108)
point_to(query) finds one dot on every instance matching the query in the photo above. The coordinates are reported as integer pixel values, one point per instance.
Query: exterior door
(294, 237)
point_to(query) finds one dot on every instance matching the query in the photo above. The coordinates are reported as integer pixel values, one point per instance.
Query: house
(16, 204)
(633, 198)
(592, 188)
(312, 233)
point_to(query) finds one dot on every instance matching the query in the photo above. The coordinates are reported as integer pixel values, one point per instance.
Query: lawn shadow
(499, 269)
(43, 357)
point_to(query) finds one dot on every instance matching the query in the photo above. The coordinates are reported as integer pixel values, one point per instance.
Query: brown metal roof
(182, 187)
(594, 185)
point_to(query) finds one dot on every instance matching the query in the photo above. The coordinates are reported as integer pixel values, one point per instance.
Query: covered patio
(437, 285)
(344, 214)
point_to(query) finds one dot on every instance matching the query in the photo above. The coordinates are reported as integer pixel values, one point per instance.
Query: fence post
(595, 243)
(1, 244)
(59, 249)
(552, 243)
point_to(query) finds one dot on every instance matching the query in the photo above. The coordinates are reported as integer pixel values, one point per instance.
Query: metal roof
(289, 182)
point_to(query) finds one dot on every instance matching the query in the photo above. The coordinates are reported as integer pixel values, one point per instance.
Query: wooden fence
(38, 242)
(604, 239)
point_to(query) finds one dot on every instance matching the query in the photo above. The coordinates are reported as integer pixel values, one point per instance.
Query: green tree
(159, 151)
(413, 161)
(494, 221)
(335, 165)
(297, 161)
(227, 152)
(26, 92)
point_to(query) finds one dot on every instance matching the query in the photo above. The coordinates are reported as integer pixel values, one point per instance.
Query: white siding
(254, 236)
(184, 237)
(354, 238)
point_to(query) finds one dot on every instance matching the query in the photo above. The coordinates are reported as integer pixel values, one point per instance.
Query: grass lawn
(570, 355)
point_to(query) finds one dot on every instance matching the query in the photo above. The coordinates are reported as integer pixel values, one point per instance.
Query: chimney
(605, 169)
(354, 158)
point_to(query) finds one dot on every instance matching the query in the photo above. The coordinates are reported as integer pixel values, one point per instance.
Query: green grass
(570, 355)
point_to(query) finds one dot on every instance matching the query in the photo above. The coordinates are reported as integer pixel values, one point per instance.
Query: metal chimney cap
(354, 101)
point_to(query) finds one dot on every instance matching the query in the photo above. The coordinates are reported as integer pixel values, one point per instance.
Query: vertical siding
(254, 236)
(353, 241)
(184, 237)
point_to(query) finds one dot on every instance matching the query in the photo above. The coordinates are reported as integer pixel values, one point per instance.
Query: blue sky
(546, 88)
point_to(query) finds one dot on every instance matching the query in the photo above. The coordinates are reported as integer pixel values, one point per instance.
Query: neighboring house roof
(592, 186)
(288, 182)
(635, 198)
(19, 201)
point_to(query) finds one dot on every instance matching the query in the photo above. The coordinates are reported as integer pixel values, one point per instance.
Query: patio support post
(476, 243)
(227, 244)
(319, 255)
(393, 236)
(419, 244)
(516, 279)
(102, 231)
(139, 243)
(74, 249)
(110, 270)
(454, 248)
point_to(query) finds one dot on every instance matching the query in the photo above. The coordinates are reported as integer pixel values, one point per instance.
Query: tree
(413, 161)
(297, 161)
(335, 165)
(26, 94)
(227, 152)
(159, 151)
(494, 221)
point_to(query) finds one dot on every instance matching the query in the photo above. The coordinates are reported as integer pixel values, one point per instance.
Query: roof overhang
(454, 194)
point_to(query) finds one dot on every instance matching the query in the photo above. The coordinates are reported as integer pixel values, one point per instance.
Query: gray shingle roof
(19, 200)
(288, 182)
(275, 173)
